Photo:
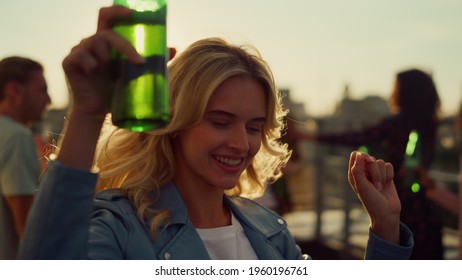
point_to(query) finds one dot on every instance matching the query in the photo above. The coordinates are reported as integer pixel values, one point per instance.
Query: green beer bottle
(140, 96)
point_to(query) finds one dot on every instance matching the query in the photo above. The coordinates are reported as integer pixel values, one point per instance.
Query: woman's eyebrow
(219, 112)
(231, 115)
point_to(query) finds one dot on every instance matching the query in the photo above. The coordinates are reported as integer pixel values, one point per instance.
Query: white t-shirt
(227, 243)
(19, 175)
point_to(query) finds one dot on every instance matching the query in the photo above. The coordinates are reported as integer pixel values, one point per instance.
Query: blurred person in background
(23, 100)
(415, 106)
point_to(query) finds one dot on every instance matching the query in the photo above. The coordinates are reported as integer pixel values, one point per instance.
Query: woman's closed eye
(254, 128)
(220, 123)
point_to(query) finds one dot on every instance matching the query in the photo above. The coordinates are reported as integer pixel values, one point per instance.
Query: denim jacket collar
(257, 224)
(180, 239)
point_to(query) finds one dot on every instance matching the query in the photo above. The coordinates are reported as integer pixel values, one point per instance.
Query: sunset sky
(314, 47)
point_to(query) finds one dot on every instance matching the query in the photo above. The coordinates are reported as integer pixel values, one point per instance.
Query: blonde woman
(180, 192)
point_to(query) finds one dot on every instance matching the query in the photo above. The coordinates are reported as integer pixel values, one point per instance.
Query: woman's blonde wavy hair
(141, 163)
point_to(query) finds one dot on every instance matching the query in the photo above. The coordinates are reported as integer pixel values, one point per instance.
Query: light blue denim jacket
(68, 222)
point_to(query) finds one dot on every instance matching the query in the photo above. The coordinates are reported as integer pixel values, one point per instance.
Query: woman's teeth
(228, 161)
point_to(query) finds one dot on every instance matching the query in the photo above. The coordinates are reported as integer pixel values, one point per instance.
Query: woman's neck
(206, 207)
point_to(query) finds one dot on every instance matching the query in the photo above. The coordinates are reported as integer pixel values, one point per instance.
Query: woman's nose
(238, 139)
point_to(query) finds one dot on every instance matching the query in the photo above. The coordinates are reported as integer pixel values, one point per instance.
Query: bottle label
(127, 71)
(146, 17)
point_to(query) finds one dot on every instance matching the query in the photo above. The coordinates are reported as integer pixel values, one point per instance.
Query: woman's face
(215, 152)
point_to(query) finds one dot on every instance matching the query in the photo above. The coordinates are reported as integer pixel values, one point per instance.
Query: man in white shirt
(23, 100)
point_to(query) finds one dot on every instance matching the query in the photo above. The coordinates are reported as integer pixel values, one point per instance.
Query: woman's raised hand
(372, 181)
(87, 65)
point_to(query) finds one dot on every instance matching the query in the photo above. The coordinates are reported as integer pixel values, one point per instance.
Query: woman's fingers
(94, 53)
(358, 171)
(79, 61)
(390, 173)
(108, 14)
(351, 178)
(123, 46)
(365, 170)
(382, 174)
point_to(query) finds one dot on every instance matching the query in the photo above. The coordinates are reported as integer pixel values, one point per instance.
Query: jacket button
(280, 221)
(167, 256)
